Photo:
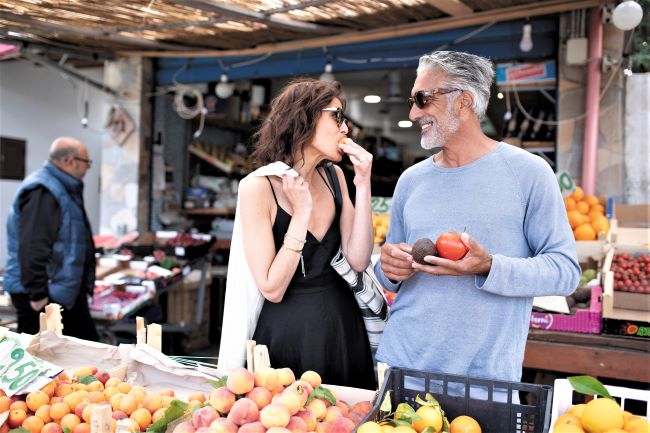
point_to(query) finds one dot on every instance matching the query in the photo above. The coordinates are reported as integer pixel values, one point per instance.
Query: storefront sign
(525, 73)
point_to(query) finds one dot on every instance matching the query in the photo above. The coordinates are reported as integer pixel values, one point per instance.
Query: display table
(589, 354)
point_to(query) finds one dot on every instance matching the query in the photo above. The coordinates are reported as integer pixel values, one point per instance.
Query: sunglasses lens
(419, 99)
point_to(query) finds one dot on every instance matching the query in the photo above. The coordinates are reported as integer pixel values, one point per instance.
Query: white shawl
(243, 299)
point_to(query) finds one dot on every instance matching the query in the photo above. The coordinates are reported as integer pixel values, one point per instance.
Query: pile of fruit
(586, 215)
(380, 226)
(428, 418)
(602, 415)
(631, 274)
(269, 401)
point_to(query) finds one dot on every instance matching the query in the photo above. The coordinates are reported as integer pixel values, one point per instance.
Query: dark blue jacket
(65, 267)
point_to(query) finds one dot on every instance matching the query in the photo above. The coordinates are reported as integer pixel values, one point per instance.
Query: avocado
(423, 247)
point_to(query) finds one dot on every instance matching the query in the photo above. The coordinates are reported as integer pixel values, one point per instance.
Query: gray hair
(467, 72)
(63, 152)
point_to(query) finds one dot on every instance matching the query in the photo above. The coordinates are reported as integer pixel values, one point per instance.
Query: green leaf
(429, 429)
(19, 430)
(405, 412)
(401, 422)
(218, 383)
(66, 430)
(445, 426)
(386, 405)
(588, 385)
(87, 379)
(324, 393)
(175, 410)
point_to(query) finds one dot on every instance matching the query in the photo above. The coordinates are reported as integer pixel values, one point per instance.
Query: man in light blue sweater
(470, 317)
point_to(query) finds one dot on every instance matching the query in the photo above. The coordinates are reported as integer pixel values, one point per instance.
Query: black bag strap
(334, 180)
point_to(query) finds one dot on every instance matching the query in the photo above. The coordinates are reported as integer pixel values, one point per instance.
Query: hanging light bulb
(627, 15)
(327, 75)
(526, 43)
(224, 89)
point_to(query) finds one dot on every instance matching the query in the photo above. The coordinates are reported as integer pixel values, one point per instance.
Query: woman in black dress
(292, 227)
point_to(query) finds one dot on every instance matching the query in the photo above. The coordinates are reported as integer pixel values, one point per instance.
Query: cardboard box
(632, 215)
(623, 305)
(629, 235)
(585, 320)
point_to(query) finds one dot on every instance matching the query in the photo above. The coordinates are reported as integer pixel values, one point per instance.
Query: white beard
(438, 134)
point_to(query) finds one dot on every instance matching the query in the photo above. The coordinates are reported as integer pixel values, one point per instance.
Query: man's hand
(477, 261)
(38, 305)
(396, 261)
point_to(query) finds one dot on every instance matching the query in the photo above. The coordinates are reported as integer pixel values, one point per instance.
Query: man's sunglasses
(423, 97)
(338, 114)
(88, 162)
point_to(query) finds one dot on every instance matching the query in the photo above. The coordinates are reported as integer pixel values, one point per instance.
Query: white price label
(179, 251)
(17, 367)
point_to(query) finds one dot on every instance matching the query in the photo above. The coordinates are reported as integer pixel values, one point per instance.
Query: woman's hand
(361, 160)
(296, 190)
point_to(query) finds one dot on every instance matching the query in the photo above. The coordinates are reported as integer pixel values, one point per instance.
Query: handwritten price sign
(17, 367)
(380, 205)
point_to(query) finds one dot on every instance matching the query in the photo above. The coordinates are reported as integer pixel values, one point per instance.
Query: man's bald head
(70, 155)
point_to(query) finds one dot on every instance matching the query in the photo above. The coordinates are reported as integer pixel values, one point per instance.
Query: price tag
(567, 185)
(380, 205)
(17, 367)
(179, 251)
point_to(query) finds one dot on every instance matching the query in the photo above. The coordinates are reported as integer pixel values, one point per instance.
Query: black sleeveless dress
(317, 325)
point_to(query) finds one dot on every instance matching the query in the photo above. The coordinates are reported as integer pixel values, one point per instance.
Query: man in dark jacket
(51, 250)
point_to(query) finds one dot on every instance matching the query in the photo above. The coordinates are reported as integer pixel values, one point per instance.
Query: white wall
(37, 104)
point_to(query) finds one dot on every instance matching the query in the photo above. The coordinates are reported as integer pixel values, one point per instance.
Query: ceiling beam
(237, 13)
(454, 8)
(60, 29)
(548, 7)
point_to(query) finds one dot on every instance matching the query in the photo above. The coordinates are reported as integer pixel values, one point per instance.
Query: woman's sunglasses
(423, 97)
(338, 114)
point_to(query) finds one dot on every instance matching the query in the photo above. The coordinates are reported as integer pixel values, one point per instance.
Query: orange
(578, 194)
(577, 409)
(600, 224)
(575, 218)
(568, 428)
(429, 417)
(598, 207)
(584, 232)
(464, 424)
(569, 203)
(591, 200)
(601, 415)
(594, 214)
(582, 207)
(568, 418)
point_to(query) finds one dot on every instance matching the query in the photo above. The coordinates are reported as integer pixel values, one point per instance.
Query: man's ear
(466, 101)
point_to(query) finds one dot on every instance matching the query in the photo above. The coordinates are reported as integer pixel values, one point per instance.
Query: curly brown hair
(291, 123)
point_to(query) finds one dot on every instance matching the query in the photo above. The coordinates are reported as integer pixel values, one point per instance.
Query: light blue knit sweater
(510, 202)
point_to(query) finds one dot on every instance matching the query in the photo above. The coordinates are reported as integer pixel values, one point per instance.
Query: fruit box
(623, 305)
(585, 320)
(478, 398)
(633, 236)
(634, 400)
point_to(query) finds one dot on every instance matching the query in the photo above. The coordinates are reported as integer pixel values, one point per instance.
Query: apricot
(152, 402)
(123, 387)
(297, 425)
(95, 386)
(79, 410)
(184, 427)
(59, 410)
(5, 402)
(158, 415)
(81, 428)
(223, 425)
(267, 377)
(244, 411)
(253, 427)
(18, 405)
(49, 388)
(51, 427)
(43, 413)
(118, 415)
(240, 381)
(286, 376)
(204, 416)
(260, 395)
(222, 399)
(33, 423)
(311, 377)
(87, 413)
(74, 398)
(307, 415)
(128, 404)
(275, 415)
(166, 392)
(112, 382)
(36, 399)
(197, 396)
(96, 397)
(63, 389)
(318, 407)
(143, 417)
(4, 428)
(69, 421)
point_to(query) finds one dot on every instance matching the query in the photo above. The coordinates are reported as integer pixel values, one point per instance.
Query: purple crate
(586, 321)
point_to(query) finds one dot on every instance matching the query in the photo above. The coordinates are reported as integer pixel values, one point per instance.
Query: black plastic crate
(489, 402)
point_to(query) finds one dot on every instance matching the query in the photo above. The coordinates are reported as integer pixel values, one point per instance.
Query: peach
(323, 427)
(204, 416)
(301, 384)
(260, 395)
(143, 417)
(291, 400)
(223, 425)
(4, 428)
(222, 399)
(318, 407)
(286, 376)
(69, 421)
(118, 415)
(43, 413)
(244, 411)
(79, 410)
(297, 425)
(152, 402)
(128, 404)
(166, 392)
(81, 428)
(277, 430)
(158, 414)
(33, 423)
(184, 427)
(363, 407)
(205, 430)
(240, 381)
(267, 377)
(307, 415)
(355, 417)
(332, 414)
(253, 427)
(36, 399)
(278, 390)
(344, 406)
(275, 415)
(18, 405)
(342, 425)
(51, 427)
(197, 396)
(311, 377)
(59, 410)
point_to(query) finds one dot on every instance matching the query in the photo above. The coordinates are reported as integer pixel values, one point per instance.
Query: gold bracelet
(299, 251)
(302, 241)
